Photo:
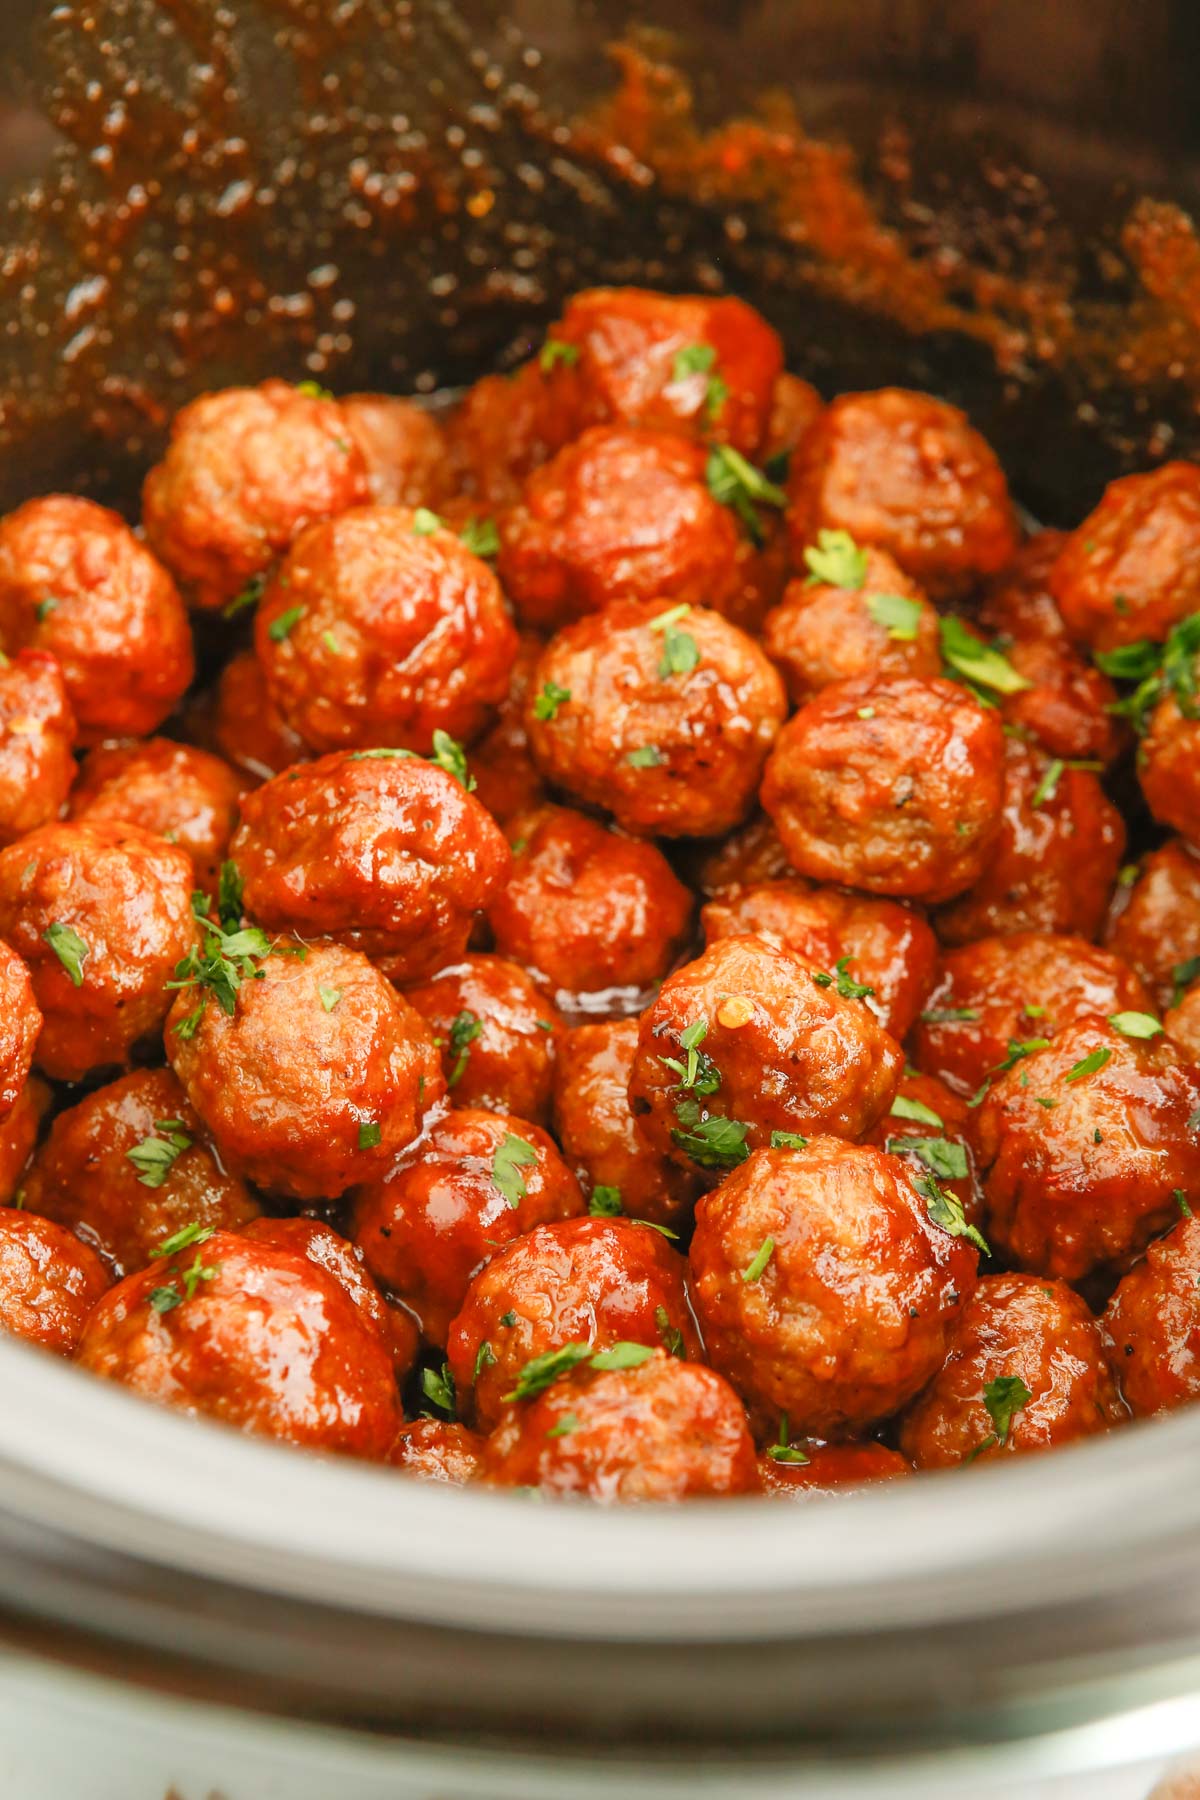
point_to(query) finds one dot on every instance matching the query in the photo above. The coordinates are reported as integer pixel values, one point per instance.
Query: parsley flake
(370, 1133)
(900, 616)
(648, 756)
(448, 754)
(1181, 1201)
(513, 1155)
(485, 1356)
(980, 663)
(481, 537)
(425, 522)
(465, 1027)
(622, 1356)
(680, 651)
(549, 700)
(70, 949)
(782, 1451)
(1004, 1398)
(565, 1426)
(438, 1386)
(281, 628)
(713, 1142)
(184, 1238)
(329, 996)
(755, 1268)
(1088, 1065)
(312, 390)
(554, 352)
(1135, 1024)
(605, 1203)
(157, 1154)
(904, 1108)
(941, 1156)
(250, 596)
(788, 1140)
(950, 1015)
(670, 1335)
(540, 1371)
(835, 561)
(736, 483)
(946, 1210)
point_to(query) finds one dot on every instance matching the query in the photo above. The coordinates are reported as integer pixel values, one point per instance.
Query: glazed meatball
(436, 1450)
(1131, 570)
(878, 624)
(508, 425)
(795, 408)
(20, 1023)
(1054, 860)
(907, 474)
(585, 910)
(661, 1430)
(127, 1167)
(746, 858)
(1026, 1371)
(506, 778)
(685, 363)
(893, 785)
(596, 1281)
(248, 728)
(245, 471)
(1085, 1182)
(1182, 1023)
(101, 914)
(617, 515)
(37, 732)
(1169, 770)
(1005, 990)
(601, 1138)
(75, 581)
(18, 1135)
(322, 1245)
(929, 1127)
(823, 1286)
(747, 1042)
(1155, 921)
(662, 718)
(498, 1035)
(49, 1282)
(1152, 1324)
(315, 1080)
(383, 853)
(472, 1184)
(404, 449)
(379, 627)
(257, 1337)
(818, 1470)
(173, 790)
(879, 944)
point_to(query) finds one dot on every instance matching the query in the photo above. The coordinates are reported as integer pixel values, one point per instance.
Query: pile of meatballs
(622, 979)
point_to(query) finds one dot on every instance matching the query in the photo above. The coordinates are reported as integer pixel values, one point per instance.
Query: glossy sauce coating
(505, 426)
(1152, 1324)
(819, 633)
(37, 734)
(327, 1249)
(404, 448)
(19, 1130)
(20, 1023)
(1182, 1023)
(49, 1282)
(248, 729)
(437, 1450)
(829, 1469)
(1131, 569)
(498, 1035)
(176, 791)
(1169, 768)
(1154, 923)
(506, 778)
(752, 854)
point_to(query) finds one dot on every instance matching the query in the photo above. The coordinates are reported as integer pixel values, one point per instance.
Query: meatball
(691, 364)
(20, 1023)
(877, 623)
(617, 515)
(819, 1470)
(506, 778)
(127, 1168)
(823, 1285)
(1155, 922)
(747, 857)
(1131, 570)
(1084, 1145)
(404, 449)
(893, 785)
(379, 627)
(748, 1042)
(1182, 1023)
(315, 1079)
(594, 1281)
(795, 408)
(172, 790)
(588, 911)
(18, 1134)
(436, 1450)
(247, 727)
(1005, 990)
(1026, 1371)
(497, 1032)
(75, 581)
(245, 471)
(907, 474)
(382, 852)
(1054, 861)
(101, 914)
(322, 1245)
(1152, 1324)
(1168, 768)
(508, 425)
(49, 1282)
(657, 1430)
(877, 944)
(258, 1337)
(929, 1127)
(37, 732)
(663, 718)
(601, 1138)
(471, 1184)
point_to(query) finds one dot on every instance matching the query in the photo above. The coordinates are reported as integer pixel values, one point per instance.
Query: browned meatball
(1152, 1324)
(929, 1127)
(497, 1032)
(18, 1135)
(506, 777)
(657, 1430)
(20, 1023)
(1154, 923)
(1005, 990)
(662, 718)
(893, 785)
(37, 732)
(1085, 1181)
(247, 726)
(1182, 1023)
(379, 627)
(617, 515)
(878, 623)
(795, 408)
(101, 914)
(382, 852)
(824, 1288)
(173, 790)
(747, 1042)
(404, 448)
(1132, 569)
(76, 582)
(472, 1183)
(1054, 861)
(507, 425)
(49, 1282)
(879, 944)
(816, 1470)
(599, 1134)
(1026, 1371)
(127, 1167)
(322, 1245)
(245, 471)
(436, 1450)
(750, 855)
(318, 1076)
(907, 474)
(1169, 768)
(588, 911)
(257, 1337)
(594, 1281)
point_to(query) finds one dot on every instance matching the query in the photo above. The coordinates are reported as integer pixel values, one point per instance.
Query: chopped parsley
(554, 352)
(1088, 1065)
(648, 756)
(1016, 1050)
(312, 390)
(437, 1385)
(698, 1074)
(1183, 975)
(982, 664)
(605, 1203)
(950, 1015)
(1004, 1398)
(565, 1426)
(941, 1156)
(549, 700)
(448, 754)
(220, 967)
(900, 616)
(1158, 670)
(184, 1238)
(230, 890)
(946, 1210)
(485, 1356)
(513, 1155)
(281, 628)
(1047, 787)
(756, 1267)
(680, 651)
(670, 1335)
(465, 1027)
(788, 1140)
(250, 596)
(847, 987)
(425, 522)
(835, 561)
(904, 1108)
(1135, 1024)
(713, 1142)
(540, 1371)
(70, 949)
(1181, 1201)
(481, 537)
(622, 1356)
(736, 483)
(329, 996)
(700, 359)
(782, 1451)
(156, 1155)
(370, 1133)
